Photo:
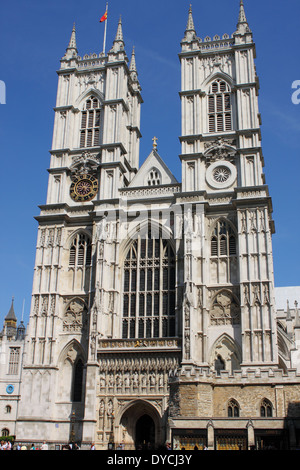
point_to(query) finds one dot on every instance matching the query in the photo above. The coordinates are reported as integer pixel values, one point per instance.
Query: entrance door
(145, 433)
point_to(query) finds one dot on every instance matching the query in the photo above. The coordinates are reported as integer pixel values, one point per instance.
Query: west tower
(222, 163)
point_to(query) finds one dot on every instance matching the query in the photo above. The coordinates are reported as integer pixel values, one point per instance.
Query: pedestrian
(92, 447)
(44, 446)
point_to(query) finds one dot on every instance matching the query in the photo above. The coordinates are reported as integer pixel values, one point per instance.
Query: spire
(10, 322)
(242, 16)
(132, 66)
(71, 50)
(11, 317)
(118, 45)
(119, 35)
(242, 25)
(190, 24)
(72, 43)
(190, 32)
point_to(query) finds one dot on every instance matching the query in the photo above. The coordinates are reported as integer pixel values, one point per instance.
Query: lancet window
(223, 241)
(80, 251)
(78, 381)
(266, 409)
(90, 123)
(149, 289)
(154, 177)
(233, 409)
(219, 107)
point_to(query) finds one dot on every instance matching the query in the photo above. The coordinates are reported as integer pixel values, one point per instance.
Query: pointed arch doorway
(141, 426)
(145, 433)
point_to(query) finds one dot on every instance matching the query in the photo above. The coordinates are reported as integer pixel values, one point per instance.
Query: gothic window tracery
(223, 253)
(233, 409)
(219, 107)
(149, 289)
(90, 123)
(80, 251)
(223, 241)
(266, 409)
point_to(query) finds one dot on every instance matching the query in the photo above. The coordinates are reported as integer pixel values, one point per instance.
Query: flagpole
(105, 29)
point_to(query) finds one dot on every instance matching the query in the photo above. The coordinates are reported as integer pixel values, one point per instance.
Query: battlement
(238, 377)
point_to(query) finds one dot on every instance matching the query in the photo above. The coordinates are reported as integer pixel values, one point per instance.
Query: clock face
(84, 188)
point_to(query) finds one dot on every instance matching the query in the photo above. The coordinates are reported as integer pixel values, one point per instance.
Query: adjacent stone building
(12, 340)
(153, 312)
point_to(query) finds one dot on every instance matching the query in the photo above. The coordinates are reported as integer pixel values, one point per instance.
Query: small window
(154, 177)
(14, 359)
(233, 409)
(266, 409)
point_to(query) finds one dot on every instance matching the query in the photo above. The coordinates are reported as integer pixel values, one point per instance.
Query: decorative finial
(155, 143)
(72, 43)
(190, 32)
(190, 23)
(119, 35)
(132, 66)
(242, 25)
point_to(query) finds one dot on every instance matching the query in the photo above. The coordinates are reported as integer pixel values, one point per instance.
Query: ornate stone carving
(85, 164)
(74, 318)
(220, 149)
(225, 310)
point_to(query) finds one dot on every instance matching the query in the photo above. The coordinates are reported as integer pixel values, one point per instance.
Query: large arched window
(90, 123)
(149, 289)
(219, 107)
(80, 251)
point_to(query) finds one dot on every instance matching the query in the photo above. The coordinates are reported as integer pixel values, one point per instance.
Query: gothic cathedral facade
(153, 315)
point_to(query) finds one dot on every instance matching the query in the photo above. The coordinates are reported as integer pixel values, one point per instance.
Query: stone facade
(153, 312)
(12, 340)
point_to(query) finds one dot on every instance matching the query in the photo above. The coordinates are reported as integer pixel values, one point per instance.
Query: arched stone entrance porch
(140, 426)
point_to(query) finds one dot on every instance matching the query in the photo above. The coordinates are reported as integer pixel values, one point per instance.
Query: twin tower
(151, 295)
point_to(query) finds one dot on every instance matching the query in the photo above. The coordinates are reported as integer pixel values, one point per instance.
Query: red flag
(104, 17)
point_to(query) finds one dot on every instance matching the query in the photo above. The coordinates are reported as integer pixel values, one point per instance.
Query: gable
(153, 172)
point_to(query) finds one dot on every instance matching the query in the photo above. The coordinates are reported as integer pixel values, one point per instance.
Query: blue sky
(33, 37)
